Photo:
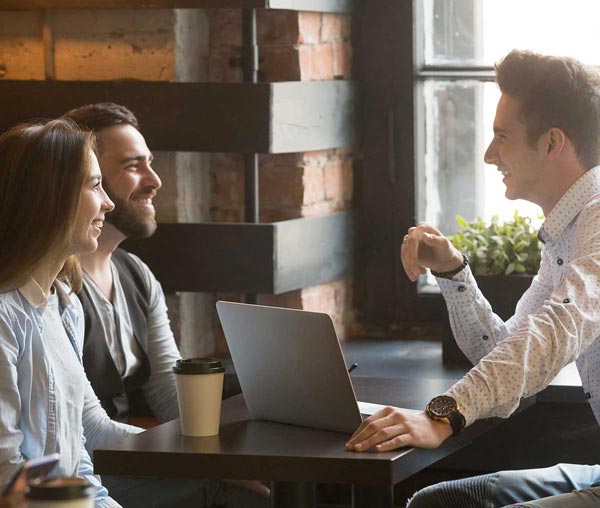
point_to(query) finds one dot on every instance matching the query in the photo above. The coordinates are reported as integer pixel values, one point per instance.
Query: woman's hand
(16, 499)
(392, 428)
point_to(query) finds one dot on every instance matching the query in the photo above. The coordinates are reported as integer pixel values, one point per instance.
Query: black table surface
(261, 450)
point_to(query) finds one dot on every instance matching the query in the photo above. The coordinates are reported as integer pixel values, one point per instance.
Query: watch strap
(457, 422)
(452, 273)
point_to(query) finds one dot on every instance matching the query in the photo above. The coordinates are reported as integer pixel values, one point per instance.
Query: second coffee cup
(199, 392)
(61, 492)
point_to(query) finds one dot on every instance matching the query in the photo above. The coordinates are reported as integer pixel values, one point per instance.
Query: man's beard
(131, 222)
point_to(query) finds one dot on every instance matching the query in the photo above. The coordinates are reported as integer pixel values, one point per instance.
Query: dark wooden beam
(296, 5)
(204, 117)
(312, 114)
(313, 250)
(249, 258)
(313, 5)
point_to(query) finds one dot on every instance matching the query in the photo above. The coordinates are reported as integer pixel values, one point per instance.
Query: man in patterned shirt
(547, 146)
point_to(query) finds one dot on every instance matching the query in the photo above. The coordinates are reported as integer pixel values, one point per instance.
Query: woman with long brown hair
(52, 208)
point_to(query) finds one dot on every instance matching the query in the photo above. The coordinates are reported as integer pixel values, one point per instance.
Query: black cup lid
(198, 366)
(60, 489)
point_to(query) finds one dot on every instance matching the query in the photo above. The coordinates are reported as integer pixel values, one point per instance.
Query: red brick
(281, 160)
(346, 20)
(348, 181)
(309, 27)
(305, 57)
(227, 188)
(293, 46)
(276, 214)
(331, 27)
(225, 26)
(227, 180)
(342, 292)
(281, 186)
(279, 64)
(316, 62)
(335, 299)
(334, 179)
(318, 298)
(224, 66)
(314, 184)
(342, 60)
(318, 156)
(227, 161)
(277, 27)
(290, 300)
(323, 208)
(230, 214)
(342, 152)
(338, 179)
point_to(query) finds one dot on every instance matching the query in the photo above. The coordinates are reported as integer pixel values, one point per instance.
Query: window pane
(480, 32)
(454, 130)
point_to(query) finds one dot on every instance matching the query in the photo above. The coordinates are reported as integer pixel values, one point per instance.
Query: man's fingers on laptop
(396, 429)
(400, 441)
(374, 417)
(385, 434)
(372, 425)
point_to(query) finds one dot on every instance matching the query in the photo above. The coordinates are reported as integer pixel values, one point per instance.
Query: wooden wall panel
(297, 5)
(249, 258)
(204, 117)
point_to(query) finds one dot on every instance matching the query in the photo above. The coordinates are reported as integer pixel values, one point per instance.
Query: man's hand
(392, 428)
(425, 247)
(255, 486)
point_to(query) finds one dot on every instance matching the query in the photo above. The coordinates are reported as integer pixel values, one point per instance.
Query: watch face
(442, 406)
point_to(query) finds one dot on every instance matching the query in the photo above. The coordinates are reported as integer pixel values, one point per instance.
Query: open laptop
(291, 367)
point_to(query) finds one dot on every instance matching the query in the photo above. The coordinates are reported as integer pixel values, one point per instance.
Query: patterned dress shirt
(557, 320)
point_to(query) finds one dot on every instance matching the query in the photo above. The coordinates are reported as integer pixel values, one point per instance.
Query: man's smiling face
(128, 179)
(521, 165)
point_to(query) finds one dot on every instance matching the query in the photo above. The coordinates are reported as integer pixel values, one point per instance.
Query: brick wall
(205, 45)
(292, 47)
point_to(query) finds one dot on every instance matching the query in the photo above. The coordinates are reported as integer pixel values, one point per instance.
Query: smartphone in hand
(30, 470)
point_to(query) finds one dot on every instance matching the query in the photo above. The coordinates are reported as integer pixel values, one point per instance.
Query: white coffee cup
(199, 393)
(61, 492)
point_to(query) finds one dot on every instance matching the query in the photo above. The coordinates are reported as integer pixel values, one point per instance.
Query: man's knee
(466, 493)
(429, 497)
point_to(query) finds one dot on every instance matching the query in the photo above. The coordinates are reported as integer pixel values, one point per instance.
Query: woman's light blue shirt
(27, 390)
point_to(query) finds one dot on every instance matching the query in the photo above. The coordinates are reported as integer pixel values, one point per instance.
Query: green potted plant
(504, 257)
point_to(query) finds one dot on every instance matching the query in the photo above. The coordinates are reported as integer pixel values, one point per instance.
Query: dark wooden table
(292, 458)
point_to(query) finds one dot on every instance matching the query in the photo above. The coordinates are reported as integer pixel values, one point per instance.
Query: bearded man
(129, 349)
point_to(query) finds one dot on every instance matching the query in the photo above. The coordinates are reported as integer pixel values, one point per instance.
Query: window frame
(391, 72)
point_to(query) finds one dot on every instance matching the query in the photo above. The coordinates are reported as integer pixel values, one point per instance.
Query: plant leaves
(499, 248)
